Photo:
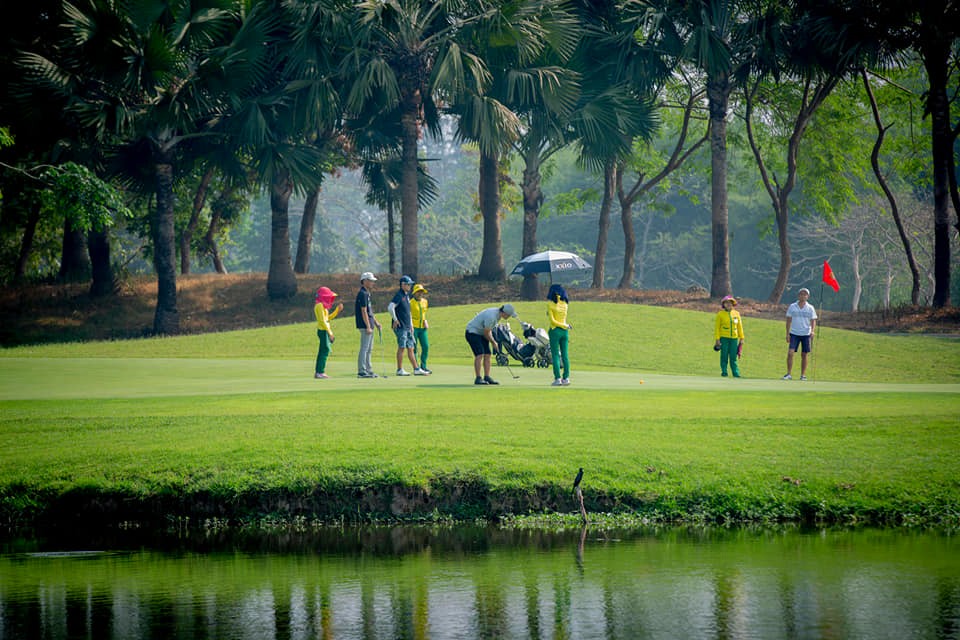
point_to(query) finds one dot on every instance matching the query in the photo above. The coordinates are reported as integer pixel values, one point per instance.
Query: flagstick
(814, 348)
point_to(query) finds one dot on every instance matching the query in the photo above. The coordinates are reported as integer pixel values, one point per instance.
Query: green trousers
(323, 352)
(728, 353)
(559, 341)
(423, 346)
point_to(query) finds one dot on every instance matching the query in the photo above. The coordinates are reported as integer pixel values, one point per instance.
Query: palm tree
(382, 177)
(407, 61)
(525, 46)
(147, 82)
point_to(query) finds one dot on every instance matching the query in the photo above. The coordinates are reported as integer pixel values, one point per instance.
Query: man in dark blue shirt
(399, 309)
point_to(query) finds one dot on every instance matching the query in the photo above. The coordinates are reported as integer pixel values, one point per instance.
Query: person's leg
(361, 361)
(803, 363)
(790, 353)
(421, 338)
(732, 356)
(477, 362)
(365, 364)
(565, 353)
(486, 365)
(554, 334)
(321, 356)
(413, 360)
(724, 355)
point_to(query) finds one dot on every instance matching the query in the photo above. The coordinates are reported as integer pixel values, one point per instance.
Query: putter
(383, 357)
(514, 376)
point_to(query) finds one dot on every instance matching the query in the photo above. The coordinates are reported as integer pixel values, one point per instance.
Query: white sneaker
(803, 377)
(420, 372)
(787, 377)
(565, 382)
(557, 383)
(401, 372)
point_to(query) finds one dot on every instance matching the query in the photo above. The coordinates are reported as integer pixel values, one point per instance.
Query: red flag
(828, 277)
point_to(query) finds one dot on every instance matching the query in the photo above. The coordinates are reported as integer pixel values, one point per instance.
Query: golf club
(515, 377)
(383, 357)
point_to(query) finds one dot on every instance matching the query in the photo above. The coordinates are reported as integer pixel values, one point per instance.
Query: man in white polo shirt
(801, 322)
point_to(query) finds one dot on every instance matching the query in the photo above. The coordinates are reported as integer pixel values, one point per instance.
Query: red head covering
(325, 297)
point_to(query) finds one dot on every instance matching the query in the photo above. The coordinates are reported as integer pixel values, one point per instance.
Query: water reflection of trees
(576, 585)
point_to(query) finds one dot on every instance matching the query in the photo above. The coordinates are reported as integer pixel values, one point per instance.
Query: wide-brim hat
(417, 288)
(728, 299)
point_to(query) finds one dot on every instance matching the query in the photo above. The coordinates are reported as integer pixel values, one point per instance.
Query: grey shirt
(486, 319)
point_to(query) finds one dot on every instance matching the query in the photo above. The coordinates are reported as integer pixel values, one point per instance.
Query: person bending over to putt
(479, 335)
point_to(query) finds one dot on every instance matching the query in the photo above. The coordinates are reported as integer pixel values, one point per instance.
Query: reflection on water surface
(473, 582)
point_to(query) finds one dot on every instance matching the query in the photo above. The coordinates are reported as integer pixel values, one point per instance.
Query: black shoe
(489, 380)
(479, 380)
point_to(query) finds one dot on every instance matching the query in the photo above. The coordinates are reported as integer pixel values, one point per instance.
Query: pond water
(484, 582)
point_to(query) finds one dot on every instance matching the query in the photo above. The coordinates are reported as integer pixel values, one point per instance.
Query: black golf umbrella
(552, 262)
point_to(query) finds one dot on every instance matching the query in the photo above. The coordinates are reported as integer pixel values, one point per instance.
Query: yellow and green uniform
(324, 332)
(418, 315)
(559, 337)
(728, 330)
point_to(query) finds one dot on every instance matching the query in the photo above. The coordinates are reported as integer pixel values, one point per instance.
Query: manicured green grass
(221, 418)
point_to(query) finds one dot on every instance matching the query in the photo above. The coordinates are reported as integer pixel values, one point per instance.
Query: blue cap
(406, 280)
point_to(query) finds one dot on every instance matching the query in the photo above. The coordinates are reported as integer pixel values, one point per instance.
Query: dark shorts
(478, 344)
(800, 341)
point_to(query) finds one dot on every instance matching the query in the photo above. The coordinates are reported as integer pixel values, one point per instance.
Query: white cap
(366, 275)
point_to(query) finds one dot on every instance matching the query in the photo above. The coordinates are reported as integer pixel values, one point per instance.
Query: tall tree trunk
(891, 198)
(609, 193)
(857, 279)
(281, 281)
(75, 258)
(391, 237)
(166, 320)
(26, 243)
(532, 201)
(718, 94)
(186, 238)
(210, 240)
(409, 187)
(782, 216)
(102, 282)
(491, 260)
(629, 237)
(935, 55)
(305, 239)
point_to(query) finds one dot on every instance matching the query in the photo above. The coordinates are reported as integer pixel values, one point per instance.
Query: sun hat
(417, 288)
(325, 297)
(730, 298)
(367, 275)
(406, 280)
(509, 310)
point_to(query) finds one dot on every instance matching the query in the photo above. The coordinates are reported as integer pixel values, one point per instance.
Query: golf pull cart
(532, 351)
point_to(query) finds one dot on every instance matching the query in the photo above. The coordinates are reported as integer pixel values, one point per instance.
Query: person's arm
(336, 311)
(718, 320)
(488, 334)
(740, 327)
(813, 327)
(789, 319)
(392, 310)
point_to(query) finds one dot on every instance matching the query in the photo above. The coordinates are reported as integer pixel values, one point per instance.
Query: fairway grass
(234, 426)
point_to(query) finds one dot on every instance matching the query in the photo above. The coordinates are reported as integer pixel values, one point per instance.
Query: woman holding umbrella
(559, 332)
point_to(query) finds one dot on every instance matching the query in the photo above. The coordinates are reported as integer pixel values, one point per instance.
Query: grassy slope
(211, 424)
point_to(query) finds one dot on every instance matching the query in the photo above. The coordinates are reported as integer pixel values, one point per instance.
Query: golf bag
(533, 351)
